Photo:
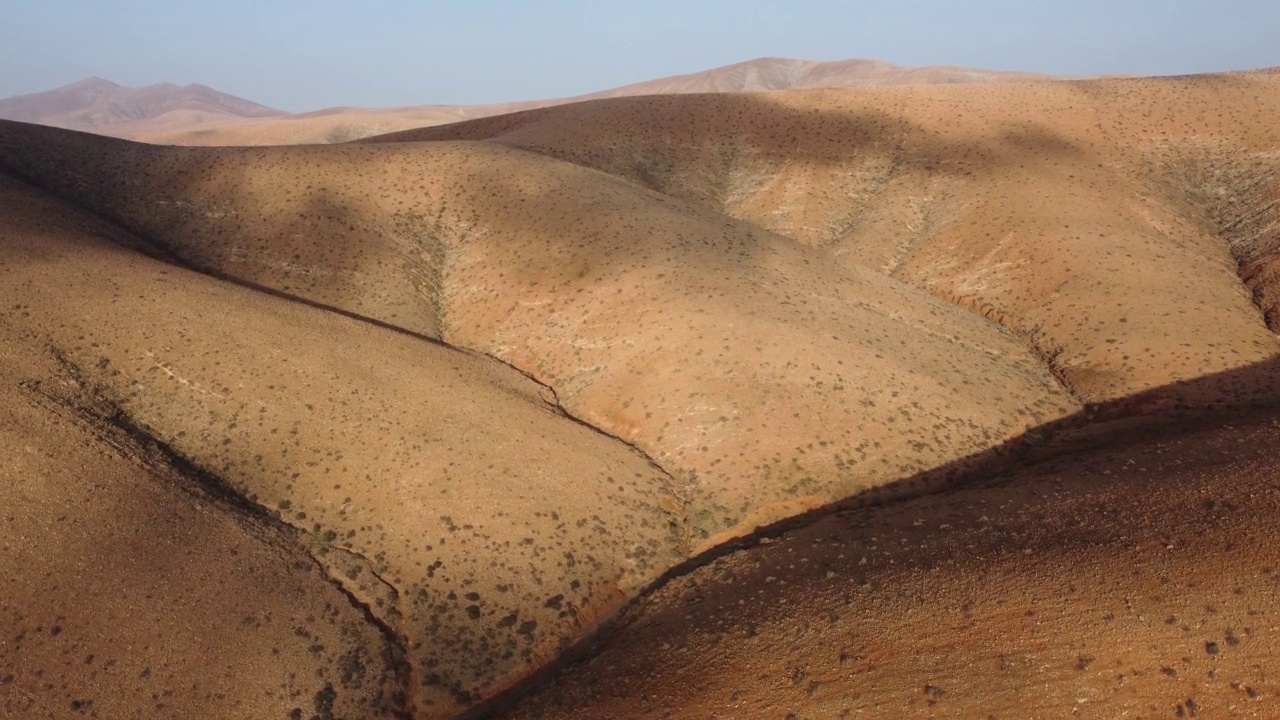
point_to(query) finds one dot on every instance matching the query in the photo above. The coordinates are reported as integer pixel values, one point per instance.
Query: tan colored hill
(490, 249)
(98, 105)
(197, 115)
(1027, 203)
(790, 74)
(290, 419)
(429, 526)
(1135, 580)
(470, 391)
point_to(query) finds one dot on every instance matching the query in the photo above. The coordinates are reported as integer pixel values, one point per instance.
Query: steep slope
(765, 379)
(476, 530)
(1135, 580)
(1093, 217)
(130, 590)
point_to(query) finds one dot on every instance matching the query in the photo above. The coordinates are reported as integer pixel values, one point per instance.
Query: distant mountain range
(197, 114)
(95, 104)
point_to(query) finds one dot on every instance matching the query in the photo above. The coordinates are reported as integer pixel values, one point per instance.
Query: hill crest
(777, 73)
(199, 115)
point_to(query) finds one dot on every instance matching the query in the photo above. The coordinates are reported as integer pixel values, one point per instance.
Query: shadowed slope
(764, 378)
(1095, 218)
(1137, 579)
(482, 529)
(197, 115)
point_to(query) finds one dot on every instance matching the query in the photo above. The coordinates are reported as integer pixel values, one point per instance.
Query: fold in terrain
(481, 529)
(129, 591)
(1139, 579)
(1129, 228)
(765, 379)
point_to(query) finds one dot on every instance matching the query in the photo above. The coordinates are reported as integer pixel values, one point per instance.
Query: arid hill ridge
(198, 115)
(964, 195)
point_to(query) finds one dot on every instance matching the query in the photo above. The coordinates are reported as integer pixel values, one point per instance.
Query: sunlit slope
(1138, 580)
(484, 531)
(1131, 227)
(765, 378)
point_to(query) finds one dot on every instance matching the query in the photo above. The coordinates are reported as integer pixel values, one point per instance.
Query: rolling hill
(1133, 580)
(198, 115)
(991, 198)
(790, 74)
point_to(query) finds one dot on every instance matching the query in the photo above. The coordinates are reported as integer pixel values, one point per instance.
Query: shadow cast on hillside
(694, 146)
(269, 217)
(1110, 424)
(195, 206)
(164, 194)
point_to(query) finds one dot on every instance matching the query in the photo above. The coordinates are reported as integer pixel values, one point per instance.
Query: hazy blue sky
(299, 55)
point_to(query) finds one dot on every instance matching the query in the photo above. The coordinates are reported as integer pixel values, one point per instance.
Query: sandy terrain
(478, 528)
(333, 125)
(1136, 580)
(1026, 203)
(792, 74)
(344, 124)
(715, 347)
(458, 397)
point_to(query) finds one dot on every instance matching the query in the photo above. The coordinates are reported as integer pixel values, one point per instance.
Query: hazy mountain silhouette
(199, 115)
(98, 105)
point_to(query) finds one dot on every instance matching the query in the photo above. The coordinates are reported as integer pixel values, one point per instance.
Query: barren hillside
(444, 495)
(1093, 218)
(1136, 580)
(716, 347)
(437, 407)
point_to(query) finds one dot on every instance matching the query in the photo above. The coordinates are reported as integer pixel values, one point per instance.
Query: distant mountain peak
(93, 81)
(94, 103)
